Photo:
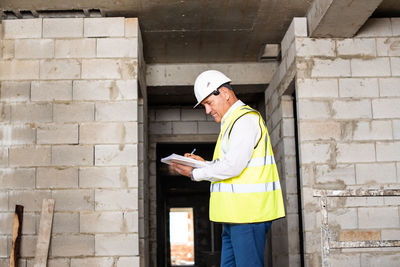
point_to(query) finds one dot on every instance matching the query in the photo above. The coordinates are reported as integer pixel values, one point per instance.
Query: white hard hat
(207, 82)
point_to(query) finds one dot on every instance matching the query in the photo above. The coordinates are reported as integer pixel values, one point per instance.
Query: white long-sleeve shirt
(243, 138)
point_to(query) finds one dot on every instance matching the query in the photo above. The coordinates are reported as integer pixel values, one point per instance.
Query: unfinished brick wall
(348, 115)
(69, 131)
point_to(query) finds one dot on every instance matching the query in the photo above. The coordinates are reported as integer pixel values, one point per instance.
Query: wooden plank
(43, 241)
(16, 235)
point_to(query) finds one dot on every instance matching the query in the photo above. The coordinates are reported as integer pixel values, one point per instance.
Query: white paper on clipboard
(183, 160)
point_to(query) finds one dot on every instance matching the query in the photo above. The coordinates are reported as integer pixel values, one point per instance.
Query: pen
(194, 150)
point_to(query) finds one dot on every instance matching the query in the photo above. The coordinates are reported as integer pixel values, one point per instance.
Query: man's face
(216, 105)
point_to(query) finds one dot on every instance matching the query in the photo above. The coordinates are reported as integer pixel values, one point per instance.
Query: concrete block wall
(71, 128)
(348, 110)
(280, 124)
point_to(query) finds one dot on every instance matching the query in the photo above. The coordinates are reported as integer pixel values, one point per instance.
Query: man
(245, 190)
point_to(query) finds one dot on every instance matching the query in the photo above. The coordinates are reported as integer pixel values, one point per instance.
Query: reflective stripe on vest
(245, 188)
(258, 162)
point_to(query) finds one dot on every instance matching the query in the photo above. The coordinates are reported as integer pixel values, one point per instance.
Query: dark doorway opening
(178, 193)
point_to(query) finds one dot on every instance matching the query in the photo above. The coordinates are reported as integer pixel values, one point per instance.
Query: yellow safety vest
(254, 195)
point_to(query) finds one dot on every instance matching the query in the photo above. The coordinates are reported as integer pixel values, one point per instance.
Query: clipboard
(184, 161)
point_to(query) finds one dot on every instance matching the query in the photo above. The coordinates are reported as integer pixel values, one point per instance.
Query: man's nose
(208, 109)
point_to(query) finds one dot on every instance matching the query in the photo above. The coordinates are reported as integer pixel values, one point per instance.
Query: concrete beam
(185, 74)
(339, 18)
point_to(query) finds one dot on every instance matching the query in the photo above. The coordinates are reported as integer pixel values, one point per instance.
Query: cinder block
(57, 134)
(58, 69)
(376, 173)
(15, 91)
(395, 26)
(28, 226)
(130, 222)
(352, 109)
(390, 234)
(73, 200)
(168, 114)
(317, 88)
(379, 67)
(63, 28)
(116, 200)
(319, 130)
(101, 222)
(131, 27)
(208, 127)
(364, 201)
(22, 28)
(72, 155)
(371, 259)
(19, 70)
(113, 244)
(3, 200)
(72, 245)
(179, 127)
(30, 156)
(386, 108)
(104, 27)
(109, 69)
(331, 68)
(93, 262)
(57, 178)
(117, 111)
(5, 112)
(389, 86)
(356, 47)
(298, 27)
(116, 155)
(65, 223)
(75, 48)
(395, 65)
(313, 109)
(63, 262)
(117, 47)
(3, 248)
(31, 200)
(160, 128)
(315, 153)
(310, 47)
(17, 134)
(108, 133)
(388, 46)
(28, 246)
(355, 152)
(3, 157)
(193, 115)
(396, 130)
(34, 48)
(23, 178)
(8, 48)
(73, 112)
(344, 259)
(340, 174)
(346, 218)
(51, 90)
(380, 217)
(128, 262)
(31, 112)
(105, 90)
(108, 177)
(388, 151)
(373, 130)
(358, 87)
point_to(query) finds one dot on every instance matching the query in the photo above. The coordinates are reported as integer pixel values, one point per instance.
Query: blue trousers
(243, 244)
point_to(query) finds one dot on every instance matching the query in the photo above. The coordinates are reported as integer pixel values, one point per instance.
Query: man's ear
(225, 92)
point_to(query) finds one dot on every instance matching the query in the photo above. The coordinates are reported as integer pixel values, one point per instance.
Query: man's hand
(182, 169)
(193, 156)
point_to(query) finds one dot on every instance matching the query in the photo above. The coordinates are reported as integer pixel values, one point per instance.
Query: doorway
(185, 236)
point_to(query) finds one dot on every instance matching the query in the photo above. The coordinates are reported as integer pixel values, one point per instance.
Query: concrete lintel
(339, 18)
(186, 73)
